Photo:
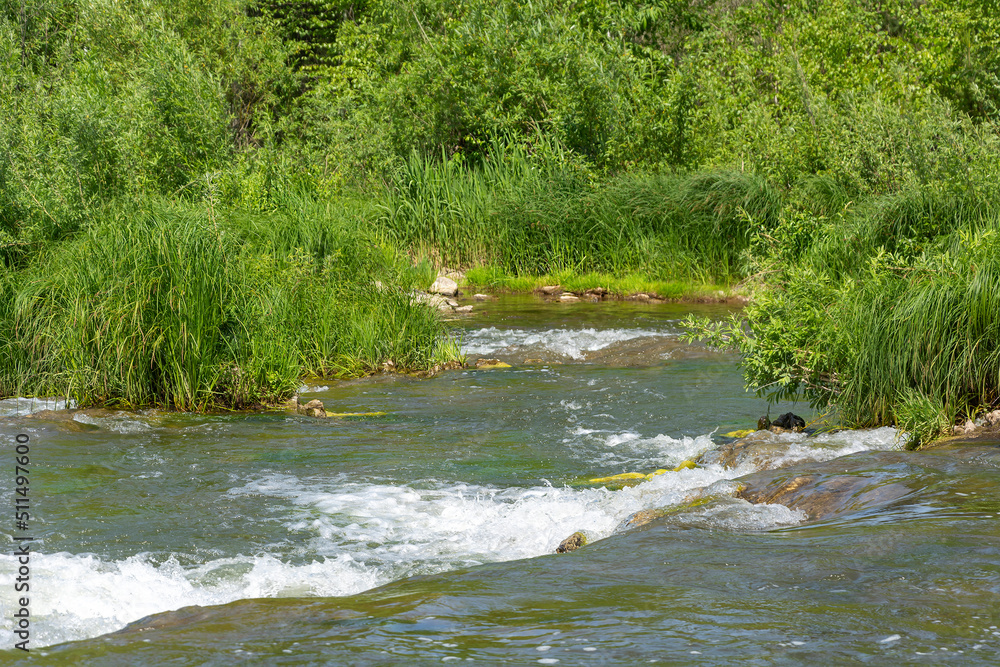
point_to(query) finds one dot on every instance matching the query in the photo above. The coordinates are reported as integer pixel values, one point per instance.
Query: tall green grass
(172, 306)
(531, 213)
(926, 334)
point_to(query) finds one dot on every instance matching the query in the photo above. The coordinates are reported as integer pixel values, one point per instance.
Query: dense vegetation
(840, 159)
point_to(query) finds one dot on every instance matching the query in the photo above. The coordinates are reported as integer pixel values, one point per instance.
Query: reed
(926, 336)
(533, 213)
(169, 305)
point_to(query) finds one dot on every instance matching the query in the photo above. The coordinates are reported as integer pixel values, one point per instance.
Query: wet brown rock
(821, 495)
(313, 408)
(641, 518)
(572, 543)
(759, 449)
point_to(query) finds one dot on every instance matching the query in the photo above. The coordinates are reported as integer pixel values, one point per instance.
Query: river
(426, 533)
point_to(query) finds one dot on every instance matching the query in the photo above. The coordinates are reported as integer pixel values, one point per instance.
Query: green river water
(426, 535)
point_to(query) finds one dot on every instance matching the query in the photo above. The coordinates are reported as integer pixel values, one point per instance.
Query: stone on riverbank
(444, 286)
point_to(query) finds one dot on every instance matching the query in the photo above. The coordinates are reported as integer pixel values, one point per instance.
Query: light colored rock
(463, 309)
(549, 289)
(487, 364)
(433, 300)
(444, 285)
(455, 275)
(482, 297)
(313, 408)
(970, 426)
(992, 418)
(567, 297)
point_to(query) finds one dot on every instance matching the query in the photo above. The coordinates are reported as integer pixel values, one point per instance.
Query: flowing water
(426, 534)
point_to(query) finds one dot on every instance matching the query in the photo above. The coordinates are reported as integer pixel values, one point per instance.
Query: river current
(424, 531)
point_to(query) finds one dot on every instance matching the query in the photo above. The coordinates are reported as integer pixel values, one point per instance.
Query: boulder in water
(313, 408)
(572, 543)
(789, 422)
(826, 491)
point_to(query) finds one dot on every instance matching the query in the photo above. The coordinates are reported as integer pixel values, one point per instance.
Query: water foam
(119, 422)
(362, 534)
(628, 449)
(573, 343)
(78, 596)
(20, 406)
(789, 448)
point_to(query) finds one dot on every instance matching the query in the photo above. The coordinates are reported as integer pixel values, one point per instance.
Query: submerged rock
(759, 449)
(824, 493)
(641, 518)
(487, 364)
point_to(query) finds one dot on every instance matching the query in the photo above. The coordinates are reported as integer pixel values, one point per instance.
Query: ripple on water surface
(346, 537)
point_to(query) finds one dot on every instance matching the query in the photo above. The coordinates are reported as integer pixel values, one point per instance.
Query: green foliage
(527, 210)
(181, 309)
(922, 417)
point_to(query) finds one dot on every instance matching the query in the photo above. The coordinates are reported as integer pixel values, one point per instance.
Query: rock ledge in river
(313, 408)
